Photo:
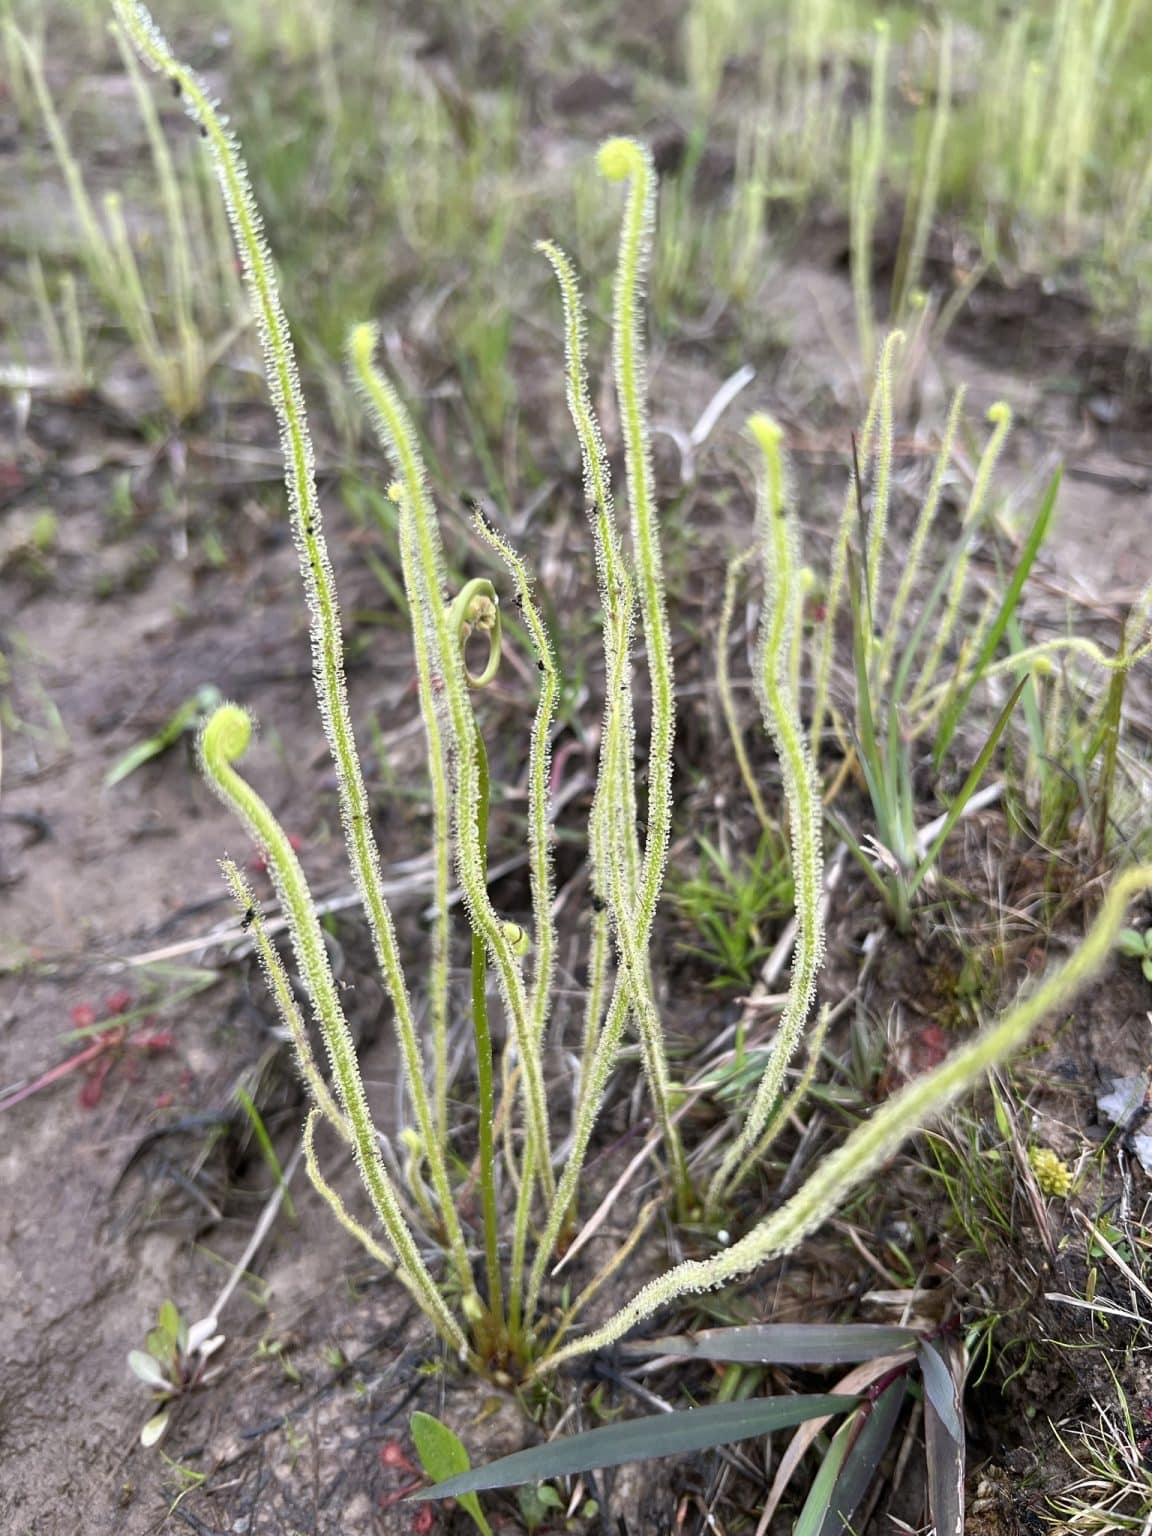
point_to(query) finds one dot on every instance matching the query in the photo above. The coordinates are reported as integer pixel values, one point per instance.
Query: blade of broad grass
(857, 1450)
(661, 1434)
(819, 1501)
(1112, 715)
(783, 1343)
(940, 1388)
(1031, 697)
(944, 1439)
(1036, 536)
(967, 789)
(443, 1456)
(862, 531)
(945, 1459)
(900, 779)
(858, 1380)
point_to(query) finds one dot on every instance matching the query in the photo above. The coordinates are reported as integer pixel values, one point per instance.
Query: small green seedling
(538, 1503)
(1137, 946)
(189, 717)
(174, 1361)
(732, 903)
(277, 1350)
(442, 1456)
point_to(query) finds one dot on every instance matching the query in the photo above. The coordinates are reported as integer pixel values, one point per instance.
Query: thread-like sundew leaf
(626, 160)
(395, 428)
(778, 540)
(223, 741)
(327, 642)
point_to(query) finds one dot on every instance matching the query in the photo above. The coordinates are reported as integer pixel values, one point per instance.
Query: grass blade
(856, 1452)
(968, 789)
(944, 1440)
(940, 1389)
(188, 717)
(661, 1434)
(1036, 536)
(869, 749)
(783, 1343)
(929, 611)
(818, 1504)
(1112, 717)
(863, 859)
(260, 1131)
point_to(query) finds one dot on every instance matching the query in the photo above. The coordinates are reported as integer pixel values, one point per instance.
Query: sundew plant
(486, 1295)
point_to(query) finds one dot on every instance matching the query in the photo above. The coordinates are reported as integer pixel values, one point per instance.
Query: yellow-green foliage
(1052, 1173)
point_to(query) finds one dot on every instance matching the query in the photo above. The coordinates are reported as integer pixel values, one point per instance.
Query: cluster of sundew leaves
(226, 737)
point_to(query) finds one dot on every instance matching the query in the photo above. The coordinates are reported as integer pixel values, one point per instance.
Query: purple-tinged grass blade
(856, 1451)
(859, 1379)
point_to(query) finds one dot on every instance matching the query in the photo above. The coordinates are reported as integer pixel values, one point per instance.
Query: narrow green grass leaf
(870, 759)
(819, 1501)
(191, 714)
(260, 1131)
(783, 1343)
(1034, 758)
(968, 788)
(841, 830)
(1111, 721)
(929, 615)
(661, 1434)
(1036, 536)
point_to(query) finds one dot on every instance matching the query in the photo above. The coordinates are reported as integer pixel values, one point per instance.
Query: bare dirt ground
(101, 1220)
